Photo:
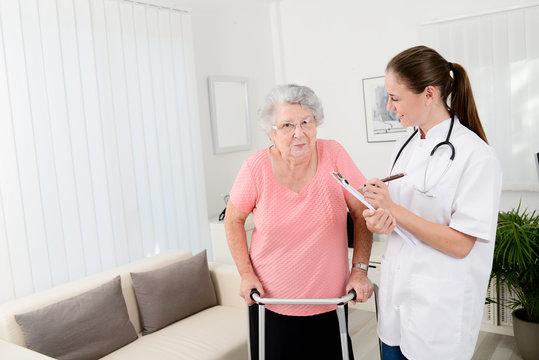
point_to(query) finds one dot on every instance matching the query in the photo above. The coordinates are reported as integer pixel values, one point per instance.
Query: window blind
(500, 52)
(99, 150)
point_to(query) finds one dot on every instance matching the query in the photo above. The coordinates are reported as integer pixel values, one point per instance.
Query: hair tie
(450, 66)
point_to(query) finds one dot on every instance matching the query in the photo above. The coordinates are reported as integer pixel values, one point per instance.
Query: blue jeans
(392, 352)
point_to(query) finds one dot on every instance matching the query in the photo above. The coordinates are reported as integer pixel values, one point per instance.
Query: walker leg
(376, 308)
(342, 329)
(261, 332)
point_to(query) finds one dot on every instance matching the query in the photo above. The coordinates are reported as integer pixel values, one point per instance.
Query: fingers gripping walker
(340, 302)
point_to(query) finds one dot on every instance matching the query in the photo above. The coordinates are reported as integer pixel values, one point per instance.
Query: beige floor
(362, 329)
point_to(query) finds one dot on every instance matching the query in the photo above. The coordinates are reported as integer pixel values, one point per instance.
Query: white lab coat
(431, 304)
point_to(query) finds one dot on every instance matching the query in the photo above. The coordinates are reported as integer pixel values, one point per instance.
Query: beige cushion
(11, 351)
(86, 326)
(217, 333)
(173, 292)
(226, 281)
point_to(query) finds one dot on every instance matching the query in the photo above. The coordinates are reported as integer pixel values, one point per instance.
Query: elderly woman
(299, 243)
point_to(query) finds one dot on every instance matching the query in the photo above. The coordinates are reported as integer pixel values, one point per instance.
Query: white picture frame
(381, 125)
(229, 113)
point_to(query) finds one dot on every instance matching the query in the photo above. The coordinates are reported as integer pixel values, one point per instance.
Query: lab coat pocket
(435, 312)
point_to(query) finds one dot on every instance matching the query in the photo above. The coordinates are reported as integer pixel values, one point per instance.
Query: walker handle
(255, 296)
(254, 292)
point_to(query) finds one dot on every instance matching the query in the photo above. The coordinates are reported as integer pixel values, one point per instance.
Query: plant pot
(526, 335)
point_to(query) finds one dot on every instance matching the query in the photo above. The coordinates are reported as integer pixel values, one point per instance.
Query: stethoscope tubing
(434, 149)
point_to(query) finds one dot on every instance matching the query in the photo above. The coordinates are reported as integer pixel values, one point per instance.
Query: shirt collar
(440, 130)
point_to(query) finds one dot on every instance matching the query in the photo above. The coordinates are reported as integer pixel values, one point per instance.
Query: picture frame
(381, 125)
(229, 113)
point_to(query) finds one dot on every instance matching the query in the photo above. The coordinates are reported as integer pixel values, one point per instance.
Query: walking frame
(340, 302)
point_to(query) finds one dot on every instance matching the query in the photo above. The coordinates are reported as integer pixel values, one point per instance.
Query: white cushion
(217, 333)
(11, 351)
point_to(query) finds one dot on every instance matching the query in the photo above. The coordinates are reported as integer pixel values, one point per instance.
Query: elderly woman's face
(296, 130)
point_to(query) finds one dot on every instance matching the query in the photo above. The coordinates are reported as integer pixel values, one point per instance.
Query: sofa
(174, 305)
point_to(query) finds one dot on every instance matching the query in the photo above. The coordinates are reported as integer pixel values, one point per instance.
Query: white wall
(331, 45)
(231, 38)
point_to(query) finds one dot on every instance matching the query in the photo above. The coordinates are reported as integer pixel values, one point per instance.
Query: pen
(389, 178)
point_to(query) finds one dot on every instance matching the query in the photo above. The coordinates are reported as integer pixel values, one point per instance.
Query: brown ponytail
(463, 103)
(420, 66)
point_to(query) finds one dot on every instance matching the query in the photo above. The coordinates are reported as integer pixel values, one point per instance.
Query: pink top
(299, 243)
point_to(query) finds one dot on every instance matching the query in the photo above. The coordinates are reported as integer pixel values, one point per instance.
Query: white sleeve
(476, 203)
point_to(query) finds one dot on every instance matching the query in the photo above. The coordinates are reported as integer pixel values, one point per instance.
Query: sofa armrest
(14, 351)
(226, 281)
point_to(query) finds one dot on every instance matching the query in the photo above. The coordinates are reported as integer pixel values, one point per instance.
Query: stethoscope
(425, 190)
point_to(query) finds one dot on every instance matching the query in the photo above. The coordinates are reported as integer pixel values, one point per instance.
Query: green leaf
(516, 259)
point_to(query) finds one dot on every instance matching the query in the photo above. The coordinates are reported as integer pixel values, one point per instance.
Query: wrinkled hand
(363, 286)
(377, 194)
(250, 281)
(380, 221)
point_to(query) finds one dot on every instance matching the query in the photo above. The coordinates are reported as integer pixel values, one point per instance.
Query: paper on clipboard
(360, 197)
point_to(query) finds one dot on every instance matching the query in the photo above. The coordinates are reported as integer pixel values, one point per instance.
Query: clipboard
(360, 197)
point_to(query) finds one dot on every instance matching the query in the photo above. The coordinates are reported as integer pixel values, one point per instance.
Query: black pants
(314, 337)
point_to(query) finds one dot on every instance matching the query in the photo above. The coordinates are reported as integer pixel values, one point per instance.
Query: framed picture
(229, 113)
(382, 125)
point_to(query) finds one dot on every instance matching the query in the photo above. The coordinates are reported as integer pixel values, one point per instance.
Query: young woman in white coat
(432, 295)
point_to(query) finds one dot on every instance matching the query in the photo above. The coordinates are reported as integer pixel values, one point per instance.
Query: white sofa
(218, 332)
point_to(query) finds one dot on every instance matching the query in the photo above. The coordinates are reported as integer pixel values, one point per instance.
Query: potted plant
(516, 263)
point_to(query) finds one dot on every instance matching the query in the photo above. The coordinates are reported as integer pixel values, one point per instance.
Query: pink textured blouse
(299, 242)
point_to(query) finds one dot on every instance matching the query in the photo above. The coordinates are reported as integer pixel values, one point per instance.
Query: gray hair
(289, 94)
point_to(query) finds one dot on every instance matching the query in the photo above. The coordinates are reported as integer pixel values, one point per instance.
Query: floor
(362, 329)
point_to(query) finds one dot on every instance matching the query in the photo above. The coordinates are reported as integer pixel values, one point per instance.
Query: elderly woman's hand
(363, 286)
(380, 221)
(249, 281)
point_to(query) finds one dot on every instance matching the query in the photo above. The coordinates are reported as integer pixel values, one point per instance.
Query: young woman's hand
(380, 221)
(377, 194)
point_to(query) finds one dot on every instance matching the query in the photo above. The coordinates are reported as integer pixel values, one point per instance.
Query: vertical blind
(500, 52)
(99, 153)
